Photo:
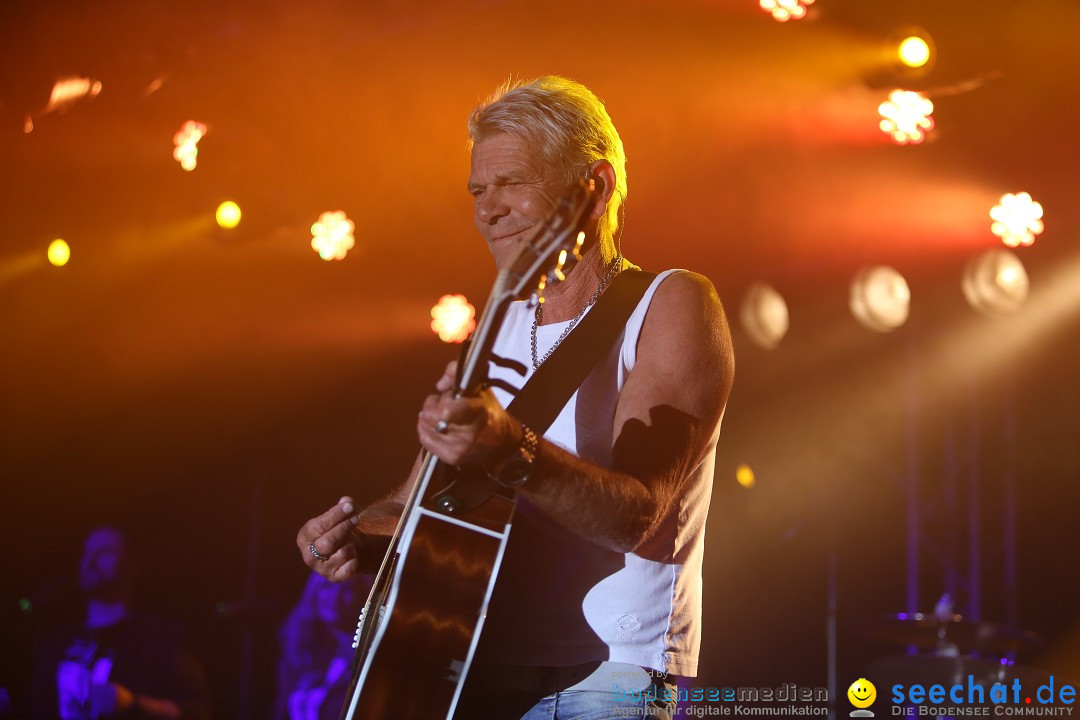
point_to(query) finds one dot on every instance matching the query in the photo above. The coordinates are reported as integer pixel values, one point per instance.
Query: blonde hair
(565, 121)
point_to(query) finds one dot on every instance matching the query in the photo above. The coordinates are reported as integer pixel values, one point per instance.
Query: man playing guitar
(599, 596)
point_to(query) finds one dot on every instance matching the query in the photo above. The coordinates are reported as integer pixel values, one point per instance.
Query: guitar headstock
(554, 248)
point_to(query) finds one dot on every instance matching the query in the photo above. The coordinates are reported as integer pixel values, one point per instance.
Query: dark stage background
(210, 391)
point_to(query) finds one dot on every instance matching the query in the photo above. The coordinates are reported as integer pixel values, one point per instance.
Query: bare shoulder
(684, 356)
(686, 318)
(686, 289)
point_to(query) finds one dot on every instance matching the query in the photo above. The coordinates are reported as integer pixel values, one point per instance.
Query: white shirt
(561, 600)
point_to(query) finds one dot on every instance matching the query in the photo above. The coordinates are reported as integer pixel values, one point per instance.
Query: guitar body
(437, 601)
(421, 624)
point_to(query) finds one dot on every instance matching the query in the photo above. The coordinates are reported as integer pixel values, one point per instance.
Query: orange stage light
(453, 318)
(332, 235)
(186, 141)
(228, 215)
(66, 91)
(59, 252)
(880, 298)
(784, 10)
(914, 51)
(764, 316)
(995, 282)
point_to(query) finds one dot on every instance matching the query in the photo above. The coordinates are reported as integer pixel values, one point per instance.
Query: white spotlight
(764, 315)
(1017, 219)
(906, 117)
(995, 283)
(880, 298)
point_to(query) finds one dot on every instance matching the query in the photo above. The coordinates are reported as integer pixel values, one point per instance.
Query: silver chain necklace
(616, 267)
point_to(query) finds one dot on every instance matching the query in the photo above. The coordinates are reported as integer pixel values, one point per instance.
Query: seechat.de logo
(862, 694)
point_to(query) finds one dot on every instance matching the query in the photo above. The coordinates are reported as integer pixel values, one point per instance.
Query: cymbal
(950, 633)
(929, 670)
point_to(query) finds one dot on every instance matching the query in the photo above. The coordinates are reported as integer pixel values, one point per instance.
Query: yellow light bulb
(228, 215)
(745, 476)
(59, 252)
(914, 52)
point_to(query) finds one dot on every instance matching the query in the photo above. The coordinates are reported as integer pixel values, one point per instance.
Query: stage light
(745, 475)
(67, 91)
(332, 235)
(228, 215)
(155, 85)
(186, 141)
(905, 116)
(59, 252)
(995, 282)
(880, 298)
(764, 316)
(784, 10)
(453, 318)
(910, 51)
(914, 51)
(1017, 219)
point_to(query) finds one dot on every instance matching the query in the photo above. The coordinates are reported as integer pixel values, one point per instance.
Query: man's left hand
(478, 431)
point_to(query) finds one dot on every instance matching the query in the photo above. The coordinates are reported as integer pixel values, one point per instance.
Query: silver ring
(441, 426)
(318, 555)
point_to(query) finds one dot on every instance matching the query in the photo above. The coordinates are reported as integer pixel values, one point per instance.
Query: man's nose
(490, 206)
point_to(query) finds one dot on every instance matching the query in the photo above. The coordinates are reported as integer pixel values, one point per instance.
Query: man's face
(513, 191)
(104, 563)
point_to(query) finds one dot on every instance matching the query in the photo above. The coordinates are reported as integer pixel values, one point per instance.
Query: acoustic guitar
(419, 628)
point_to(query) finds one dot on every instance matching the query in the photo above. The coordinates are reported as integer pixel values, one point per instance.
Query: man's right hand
(332, 536)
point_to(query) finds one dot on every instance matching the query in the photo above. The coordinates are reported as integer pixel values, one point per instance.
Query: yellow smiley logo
(862, 693)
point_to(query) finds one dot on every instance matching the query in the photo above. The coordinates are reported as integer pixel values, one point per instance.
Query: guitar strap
(541, 399)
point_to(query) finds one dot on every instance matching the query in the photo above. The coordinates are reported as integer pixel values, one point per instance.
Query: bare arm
(665, 421)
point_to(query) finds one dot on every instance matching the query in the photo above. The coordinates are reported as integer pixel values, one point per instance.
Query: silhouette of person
(316, 642)
(115, 661)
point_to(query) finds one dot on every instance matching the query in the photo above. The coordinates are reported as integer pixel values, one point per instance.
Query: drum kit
(945, 648)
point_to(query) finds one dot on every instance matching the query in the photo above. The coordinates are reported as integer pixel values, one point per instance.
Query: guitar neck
(471, 375)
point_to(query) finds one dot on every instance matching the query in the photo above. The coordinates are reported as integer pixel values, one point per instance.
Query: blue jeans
(594, 705)
(511, 692)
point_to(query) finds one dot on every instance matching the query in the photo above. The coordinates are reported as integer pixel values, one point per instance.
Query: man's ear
(603, 175)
